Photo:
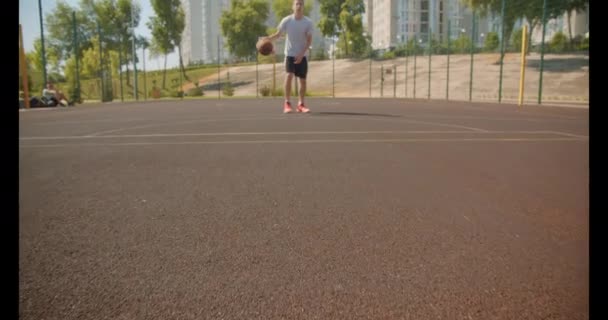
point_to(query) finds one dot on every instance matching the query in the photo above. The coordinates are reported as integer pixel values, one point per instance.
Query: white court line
(287, 117)
(537, 119)
(181, 122)
(406, 120)
(568, 134)
(304, 141)
(50, 123)
(123, 120)
(445, 125)
(291, 133)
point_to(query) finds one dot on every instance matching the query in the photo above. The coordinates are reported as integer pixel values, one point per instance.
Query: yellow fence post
(23, 65)
(524, 44)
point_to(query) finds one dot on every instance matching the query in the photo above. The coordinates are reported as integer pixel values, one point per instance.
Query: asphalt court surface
(365, 208)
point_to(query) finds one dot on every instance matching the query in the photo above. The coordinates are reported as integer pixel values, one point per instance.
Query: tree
(283, 8)
(329, 24)
(160, 45)
(559, 42)
(532, 10)
(462, 44)
(70, 69)
(243, 24)
(53, 58)
(343, 18)
(104, 13)
(516, 39)
(34, 58)
(491, 42)
(60, 26)
(127, 17)
(513, 10)
(170, 16)
(142, 42)
(352, 22)
(534, 14)
(91, 60)
(576, 6)
(114, 19)
(90, 63)
(412, 47)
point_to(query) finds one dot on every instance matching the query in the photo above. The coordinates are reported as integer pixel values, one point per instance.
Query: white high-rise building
(200, 36)
(394, 22)
(368, 15)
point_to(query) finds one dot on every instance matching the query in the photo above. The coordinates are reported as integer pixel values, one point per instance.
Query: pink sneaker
(302, 108)
(287, 107)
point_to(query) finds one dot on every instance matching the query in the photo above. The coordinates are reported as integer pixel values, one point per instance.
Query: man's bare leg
(287, 94)
(287, 86)
(302, 93)
(302, 90)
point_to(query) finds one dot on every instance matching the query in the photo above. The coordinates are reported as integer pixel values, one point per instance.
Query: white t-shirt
(296, 31)
(48, 93)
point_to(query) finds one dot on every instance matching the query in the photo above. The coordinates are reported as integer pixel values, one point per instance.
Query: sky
(29, 19)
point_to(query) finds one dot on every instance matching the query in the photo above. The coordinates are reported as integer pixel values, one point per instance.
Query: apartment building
(394, 22)
(200, 36)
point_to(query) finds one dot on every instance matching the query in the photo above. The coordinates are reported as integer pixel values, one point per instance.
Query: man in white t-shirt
(298, 29)
(50, 92)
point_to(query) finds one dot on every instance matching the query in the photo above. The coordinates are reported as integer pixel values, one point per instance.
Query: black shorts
(299, 69)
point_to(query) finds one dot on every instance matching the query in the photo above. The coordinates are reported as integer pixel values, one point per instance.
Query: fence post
(382, 81)
(524, 43)
(180, 89)
(76, 93)
(134, 54)
(44, 76)
(542, 53)
(122, 98)
(333, 71)
(370, 68)
(143, 54)
(101, 96)
(394, 81)
(430, 47)
(415, 54)
(219, 84)
(257, 76)
(407, 54)
(472, 49)
(502, 49)
(447, 82)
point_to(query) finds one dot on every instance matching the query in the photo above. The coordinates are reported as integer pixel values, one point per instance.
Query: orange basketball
(264, 46)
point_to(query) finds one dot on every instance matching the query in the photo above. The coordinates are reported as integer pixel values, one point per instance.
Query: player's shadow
(356, 114)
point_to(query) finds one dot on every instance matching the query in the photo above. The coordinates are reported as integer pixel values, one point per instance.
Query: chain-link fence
(469, 55)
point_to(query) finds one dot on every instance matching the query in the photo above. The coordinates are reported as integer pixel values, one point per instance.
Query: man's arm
(303, 52)
(280, 30)
(274, 36)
